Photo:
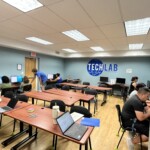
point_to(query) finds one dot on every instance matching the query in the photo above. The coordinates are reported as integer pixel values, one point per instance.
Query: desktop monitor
(121, 80)
(13, 79)
(19, 79)
(50, 76)
(103, 79)
(16, 79)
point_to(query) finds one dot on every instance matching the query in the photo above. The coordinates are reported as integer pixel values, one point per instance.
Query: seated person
(133, 84)
(138, 86)
(5, 83)
(25, 82)
(57, 80)
(135, 108)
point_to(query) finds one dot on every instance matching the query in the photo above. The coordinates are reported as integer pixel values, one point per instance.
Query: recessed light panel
(69, 50)
(38, 40)
(135, 46)
(137, 27)
(24, 5)
(76, 35)
(97, 48)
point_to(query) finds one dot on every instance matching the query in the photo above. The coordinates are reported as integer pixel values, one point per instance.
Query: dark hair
(34, 70)
(58, 74)
(134, 78)
(25, 79)
(5, 79)
(140, 85)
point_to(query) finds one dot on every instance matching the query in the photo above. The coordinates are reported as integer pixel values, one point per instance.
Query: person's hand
(148, 103)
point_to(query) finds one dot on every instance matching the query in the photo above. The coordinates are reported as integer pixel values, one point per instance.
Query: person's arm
(134, 84)
(141, 115)
(55, 80)
(33, 78)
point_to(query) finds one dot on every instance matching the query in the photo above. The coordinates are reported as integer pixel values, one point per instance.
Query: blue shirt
(59, 80)
(42, 76)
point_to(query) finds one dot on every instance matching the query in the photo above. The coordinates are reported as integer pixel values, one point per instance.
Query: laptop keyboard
(6, 108)
(76, 131)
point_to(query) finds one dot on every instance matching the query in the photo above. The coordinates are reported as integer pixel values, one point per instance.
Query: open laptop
(69, 127)
(11, 104)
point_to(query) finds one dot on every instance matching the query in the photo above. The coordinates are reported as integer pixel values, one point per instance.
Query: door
(30, 63)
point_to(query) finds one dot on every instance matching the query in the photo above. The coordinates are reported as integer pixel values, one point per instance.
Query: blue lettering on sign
(95, 67)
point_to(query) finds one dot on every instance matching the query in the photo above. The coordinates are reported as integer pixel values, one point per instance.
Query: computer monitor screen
(121, 80)
(50, 76)
(19, 78)
(16, 79)
(13, 79)
(104, 79)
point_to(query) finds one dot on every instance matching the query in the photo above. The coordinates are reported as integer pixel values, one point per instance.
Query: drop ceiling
(102, 21)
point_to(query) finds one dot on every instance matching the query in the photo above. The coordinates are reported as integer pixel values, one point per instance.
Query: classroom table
(69, 101)
(74, 85)
(41, 117)
(101, 89)
(83, 97)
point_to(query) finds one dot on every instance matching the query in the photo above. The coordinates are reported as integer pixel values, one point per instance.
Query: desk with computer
(118, 85)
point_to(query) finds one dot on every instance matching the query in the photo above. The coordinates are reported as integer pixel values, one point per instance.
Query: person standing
(41, 77)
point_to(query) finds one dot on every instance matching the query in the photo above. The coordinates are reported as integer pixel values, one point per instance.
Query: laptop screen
(65, 121)
(12, 103)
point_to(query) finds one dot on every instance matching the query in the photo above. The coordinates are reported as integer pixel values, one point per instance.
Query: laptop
(11, 104)
(69, 127)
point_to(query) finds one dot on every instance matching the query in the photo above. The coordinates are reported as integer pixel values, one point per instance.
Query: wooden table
(41, 118)
(74, 85)
(81, 96)
(5, 101)
(69, 101)
(101, 89)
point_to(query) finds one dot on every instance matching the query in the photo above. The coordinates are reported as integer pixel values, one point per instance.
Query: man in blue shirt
(41, 76)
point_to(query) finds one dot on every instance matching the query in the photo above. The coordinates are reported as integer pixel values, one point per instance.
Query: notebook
(76, 116)
(11, 104)
(69, 127)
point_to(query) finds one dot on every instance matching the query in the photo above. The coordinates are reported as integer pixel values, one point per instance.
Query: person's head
(135, 79)
(58, 74)
(25, 79)
(143, 93)
(34, 70)
(140, 85)
(5, 79)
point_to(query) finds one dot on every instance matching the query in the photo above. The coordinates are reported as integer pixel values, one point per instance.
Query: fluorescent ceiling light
(35, 39)
(96, 48)
(76, 35)
(69, 50)
(137, 27)
(24, 5)
(135, 46)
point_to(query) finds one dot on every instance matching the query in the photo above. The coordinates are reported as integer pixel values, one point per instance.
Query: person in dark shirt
(133, 84)
(136, 108)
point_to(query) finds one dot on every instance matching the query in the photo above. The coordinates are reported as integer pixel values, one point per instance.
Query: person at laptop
(136, 109)
(41, 76)
(5, 83)
(133, 84)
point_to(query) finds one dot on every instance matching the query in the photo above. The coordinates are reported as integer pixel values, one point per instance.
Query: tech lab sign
(95, 67)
